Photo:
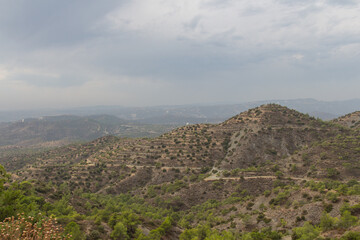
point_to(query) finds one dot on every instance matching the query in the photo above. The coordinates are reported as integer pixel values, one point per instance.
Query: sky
(71, 53)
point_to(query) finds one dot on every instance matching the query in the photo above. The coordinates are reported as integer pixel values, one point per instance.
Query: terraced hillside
(259, 138)
(267, 167)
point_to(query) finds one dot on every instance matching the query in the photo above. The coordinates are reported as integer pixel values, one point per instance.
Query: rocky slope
(351, 120)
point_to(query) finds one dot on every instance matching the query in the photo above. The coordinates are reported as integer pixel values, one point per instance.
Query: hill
(267, 167)
(68, 129)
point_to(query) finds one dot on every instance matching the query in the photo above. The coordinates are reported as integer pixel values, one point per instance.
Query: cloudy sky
(160, 52)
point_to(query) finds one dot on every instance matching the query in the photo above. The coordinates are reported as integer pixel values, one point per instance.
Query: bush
(94, 235)
(29, 228)
(351, 236)
(307, 232)
(328, 207)
(226, 173)
(119, 232)
(347, 220)
(332, 196)
(74, 230)
(267, 193)
(280, 198)
(327, 222)
(332, 172)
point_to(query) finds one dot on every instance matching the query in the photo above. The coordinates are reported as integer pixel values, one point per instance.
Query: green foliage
(327, 222)
(328, 207)
(354, 210)
(350, 188)
(280, 198)
(127, 214)
(74, 230)
(261, 217)
(332, 196)
(203, 232)
(265, 234)
(347, 220)
(351, 236)
(161, 230)
(267, 193)
(3, 177)
(173, 187)
(226, 143)
(62, 207)
(13, 201)
(307, 232)
(94, 235)
(120, 232)
(332, 172)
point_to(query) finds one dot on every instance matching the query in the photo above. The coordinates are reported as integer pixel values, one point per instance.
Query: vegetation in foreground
(99, 216)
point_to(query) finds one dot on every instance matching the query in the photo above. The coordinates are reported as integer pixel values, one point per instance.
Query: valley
(267, 173)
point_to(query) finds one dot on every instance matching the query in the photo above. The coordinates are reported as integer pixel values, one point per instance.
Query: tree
(351, 236)
(73, 229)
(119, 232)
(327, 222)
(3, 177)
(307, 232)
(347, 220)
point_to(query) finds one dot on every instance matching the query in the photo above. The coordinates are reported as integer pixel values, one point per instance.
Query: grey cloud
(217, 3)
(309, 2)
(64, 80)
(251, 10)
(78, 47)
(193, 23)
(296, 2)
(343, 2)
(44, 23)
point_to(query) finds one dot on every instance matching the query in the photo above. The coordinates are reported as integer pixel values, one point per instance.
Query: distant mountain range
(64, 129)
(31, 129)
(182, 114)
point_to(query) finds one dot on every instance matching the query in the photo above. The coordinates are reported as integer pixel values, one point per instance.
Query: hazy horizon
(68, 54)
(60, 108)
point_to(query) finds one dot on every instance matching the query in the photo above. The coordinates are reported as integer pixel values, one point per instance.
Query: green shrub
(347, 220)
(307, 232)
(351, 236)
(327, 222)
(280, 198)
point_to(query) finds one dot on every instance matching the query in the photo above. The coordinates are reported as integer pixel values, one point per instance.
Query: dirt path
(215, 178)
(164, 167)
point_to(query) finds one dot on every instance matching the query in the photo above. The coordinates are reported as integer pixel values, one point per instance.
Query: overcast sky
(155, 52)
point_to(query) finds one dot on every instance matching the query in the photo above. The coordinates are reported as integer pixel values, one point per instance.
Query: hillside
(267, 167)
(71, 128)
(351, 120)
